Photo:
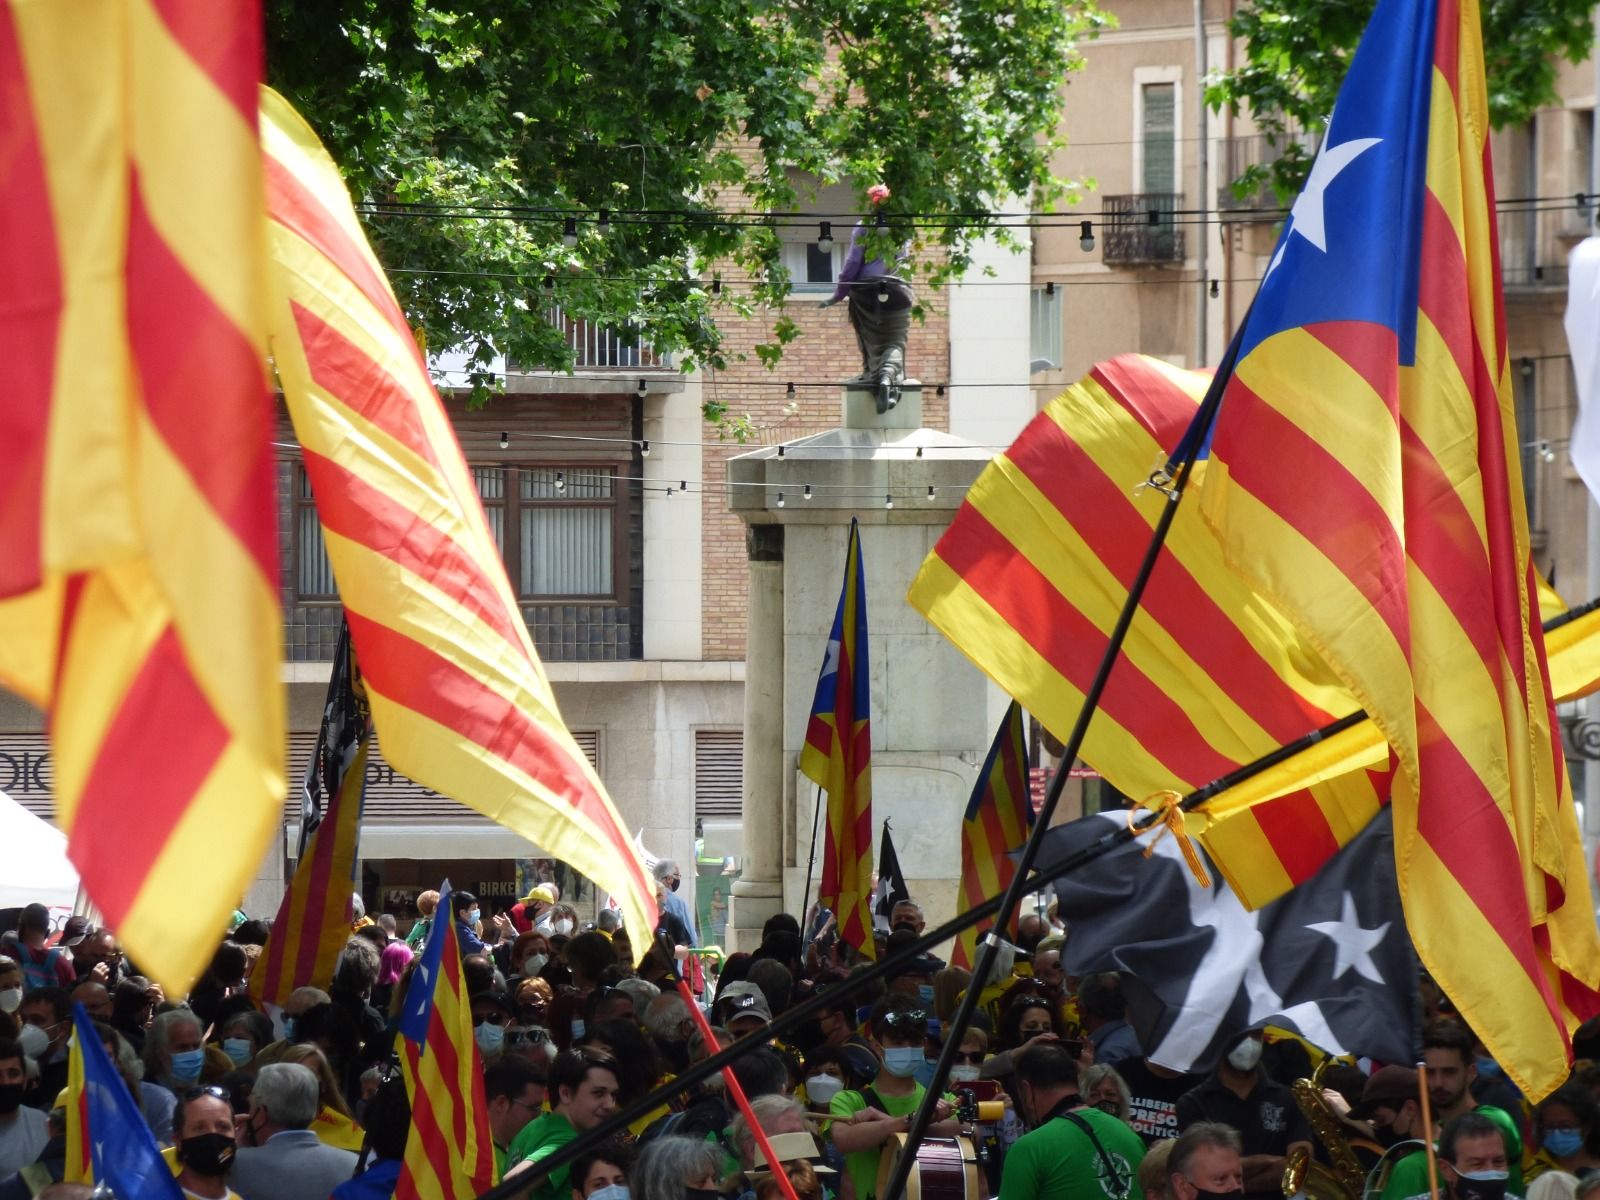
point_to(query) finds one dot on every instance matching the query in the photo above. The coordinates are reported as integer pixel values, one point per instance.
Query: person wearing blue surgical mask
(464, 906)
(174, 1051)
(1564, 1126)
(602, 1173)
(243, 1035)
(491, 1013)
(866, 1118)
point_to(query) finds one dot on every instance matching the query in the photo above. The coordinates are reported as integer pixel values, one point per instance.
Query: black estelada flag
(891, 883)
(1330, 960)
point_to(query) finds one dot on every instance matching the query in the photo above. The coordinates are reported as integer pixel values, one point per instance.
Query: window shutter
(719, 774)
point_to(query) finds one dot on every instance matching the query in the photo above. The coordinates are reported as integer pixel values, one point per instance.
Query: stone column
(758, 892)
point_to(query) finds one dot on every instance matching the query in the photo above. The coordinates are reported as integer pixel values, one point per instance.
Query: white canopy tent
(37, 867)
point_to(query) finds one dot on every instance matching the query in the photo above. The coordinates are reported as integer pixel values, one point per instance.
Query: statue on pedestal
(880, 312)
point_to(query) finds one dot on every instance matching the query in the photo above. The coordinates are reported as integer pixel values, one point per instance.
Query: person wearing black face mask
(23, 1131)
(202, 1129)
(1205, 1163)
(1074, 1152)
(1391, 1103)
(667, 875)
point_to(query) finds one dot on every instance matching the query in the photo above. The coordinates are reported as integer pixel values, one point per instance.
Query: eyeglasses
(491, 1018)
(974, 1057)
(531, 1037)
(524, 1104)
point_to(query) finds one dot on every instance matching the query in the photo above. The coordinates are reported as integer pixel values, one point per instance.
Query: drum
(947, 1169)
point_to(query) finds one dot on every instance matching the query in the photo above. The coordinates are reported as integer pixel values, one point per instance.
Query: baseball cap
(1390, 1086)
(541, 893)
(75, 930)
(743, 999)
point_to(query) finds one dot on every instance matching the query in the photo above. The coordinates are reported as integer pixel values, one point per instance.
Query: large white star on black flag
(1329, 960)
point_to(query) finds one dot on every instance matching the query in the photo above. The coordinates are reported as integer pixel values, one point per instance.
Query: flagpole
(796, 1016)
(811, 862)
(1169, 483)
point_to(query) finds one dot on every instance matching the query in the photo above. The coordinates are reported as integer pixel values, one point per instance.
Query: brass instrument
(1303, 1175)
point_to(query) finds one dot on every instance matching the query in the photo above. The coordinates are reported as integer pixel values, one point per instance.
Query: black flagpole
(1169, 483)
(811, 862)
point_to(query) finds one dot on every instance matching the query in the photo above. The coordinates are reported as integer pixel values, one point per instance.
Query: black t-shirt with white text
(1153, 1113)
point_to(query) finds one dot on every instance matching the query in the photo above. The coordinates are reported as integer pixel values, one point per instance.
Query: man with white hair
(668, 876)
(279, 1157)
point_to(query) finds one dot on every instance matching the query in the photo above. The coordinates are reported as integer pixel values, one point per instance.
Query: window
(718, 774)
(1158, 137)
(313, 574)
(562, 523)
(1044, 319)
(812, 269)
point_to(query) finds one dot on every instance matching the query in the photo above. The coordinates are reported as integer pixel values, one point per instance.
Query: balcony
(597, 348)
(1142, 229)
(1240, 154)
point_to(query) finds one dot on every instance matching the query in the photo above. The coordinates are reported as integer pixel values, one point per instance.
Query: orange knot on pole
(1166, 804)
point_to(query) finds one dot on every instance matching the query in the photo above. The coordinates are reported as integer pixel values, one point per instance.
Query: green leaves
(1297, 51)
(677, 110)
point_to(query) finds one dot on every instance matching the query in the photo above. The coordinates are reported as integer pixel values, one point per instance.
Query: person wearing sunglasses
(865, 1118)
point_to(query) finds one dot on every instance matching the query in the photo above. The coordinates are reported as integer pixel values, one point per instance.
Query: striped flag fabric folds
(996, 822)
(123, 1151)
(458, 695)
(837, 757)
(314, 917)
(450, 1152)
(79, 1164)
(1364, 472)
(138, 531)
(1029, 579)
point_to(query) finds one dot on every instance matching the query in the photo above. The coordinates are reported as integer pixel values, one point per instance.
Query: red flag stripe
(185, 346)
(343, 369)
(352, 508)
(133, 800)
(222, 45)
(1074, 482)
(31, 299)
(1270, 457)
(298, 209)
(1298, 831)
(1065, 639)
(416, 677)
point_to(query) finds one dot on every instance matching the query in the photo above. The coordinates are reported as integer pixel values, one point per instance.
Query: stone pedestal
(933, 713)
(758, 892)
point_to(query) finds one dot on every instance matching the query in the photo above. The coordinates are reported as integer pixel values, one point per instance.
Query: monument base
(859, 407)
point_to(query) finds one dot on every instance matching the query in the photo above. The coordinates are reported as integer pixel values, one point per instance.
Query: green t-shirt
(1058, 1161)
(1409, 1177)
(862, 1165)
(538, 1140)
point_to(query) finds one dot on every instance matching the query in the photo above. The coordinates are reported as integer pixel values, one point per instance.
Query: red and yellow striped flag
(79, 1166)
(458, 694)
(996, 822)
(1031, 575)
(313, 921)
(1365, 473)
(450, 1153)
(138, 537)
(837, 757)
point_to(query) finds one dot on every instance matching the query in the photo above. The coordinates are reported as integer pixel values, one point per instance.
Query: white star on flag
(1353, 945)
(1308, 218)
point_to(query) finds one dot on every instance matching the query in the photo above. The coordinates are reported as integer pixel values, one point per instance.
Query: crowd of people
(1050, 1097)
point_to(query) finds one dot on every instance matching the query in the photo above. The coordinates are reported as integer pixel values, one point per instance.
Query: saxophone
(1303, 1175)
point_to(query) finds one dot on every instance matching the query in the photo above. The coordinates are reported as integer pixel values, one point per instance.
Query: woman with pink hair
(391, 965)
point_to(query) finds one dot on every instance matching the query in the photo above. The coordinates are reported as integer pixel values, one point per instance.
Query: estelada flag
(996, 822)
(837, 757)
(138, 521)
(450, 1153)
(1364, 472)
(458, 694)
